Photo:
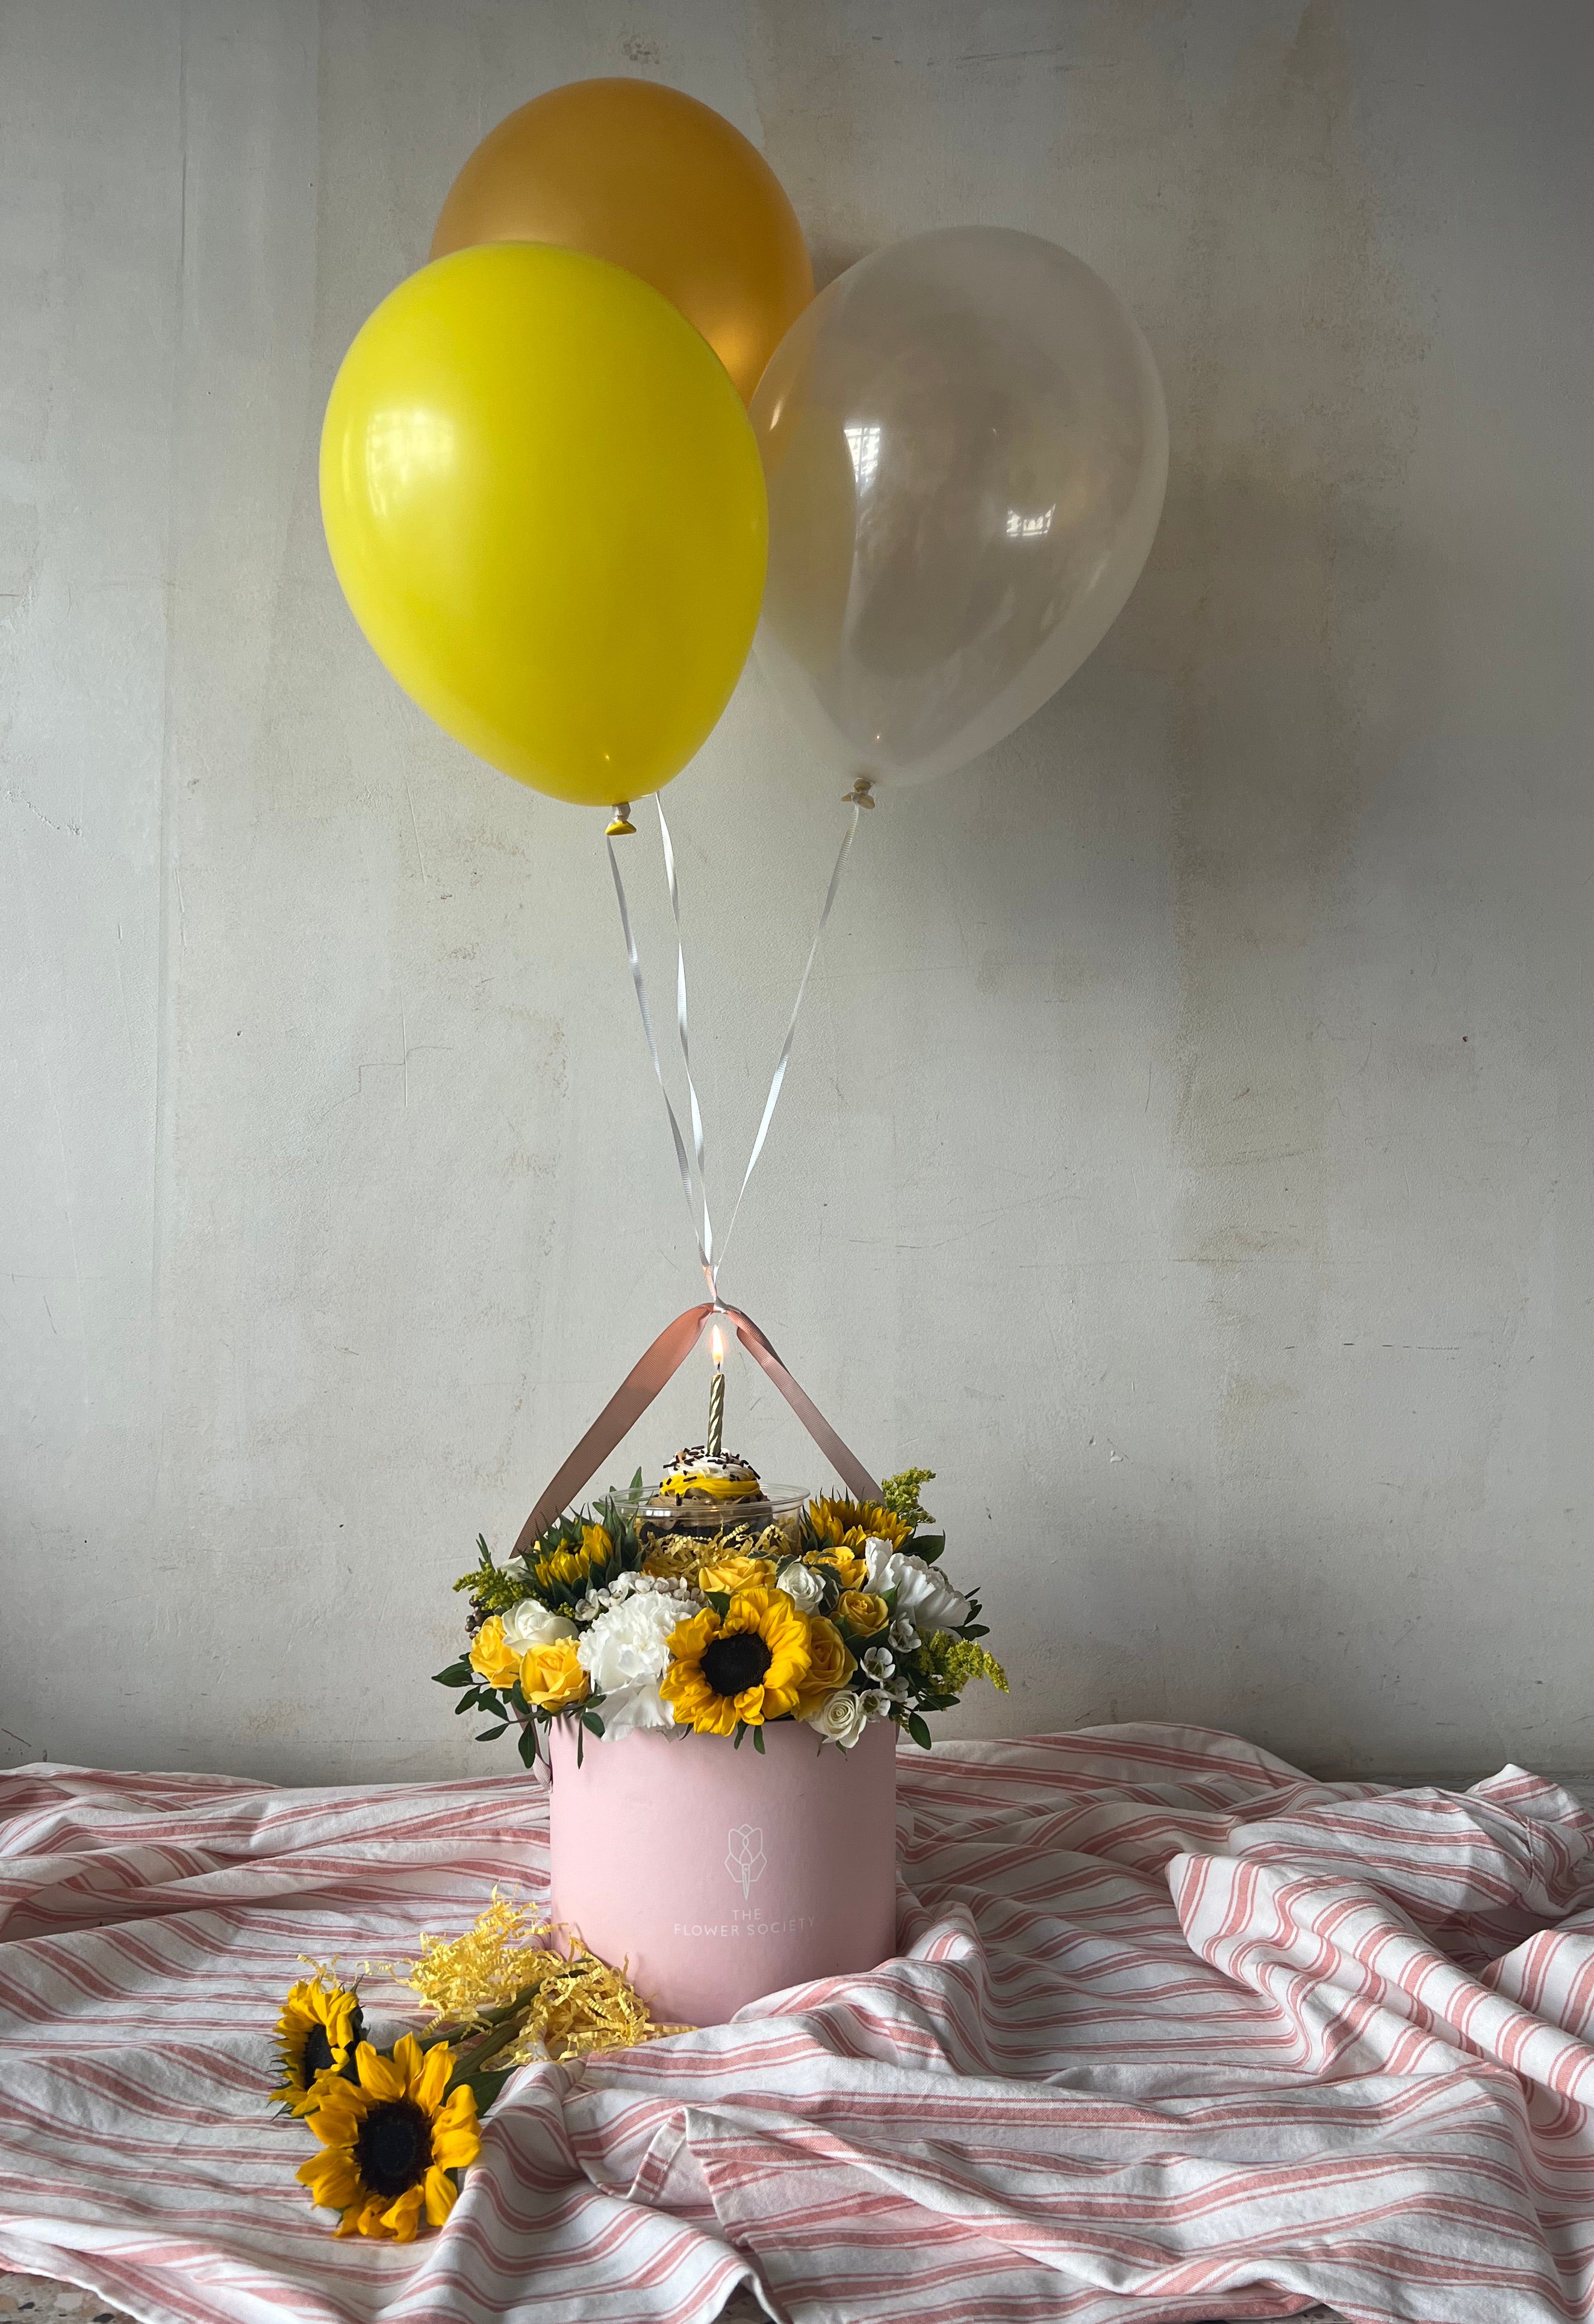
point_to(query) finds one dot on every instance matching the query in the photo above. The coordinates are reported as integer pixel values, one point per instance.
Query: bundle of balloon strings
(397, 2129)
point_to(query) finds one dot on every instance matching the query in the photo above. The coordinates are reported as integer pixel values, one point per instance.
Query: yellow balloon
(544, 505)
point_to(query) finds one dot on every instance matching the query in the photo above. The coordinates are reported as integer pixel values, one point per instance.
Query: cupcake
(703, 1491)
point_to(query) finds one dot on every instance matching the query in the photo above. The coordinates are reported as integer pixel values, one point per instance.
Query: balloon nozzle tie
(622, 825)
(861, 793)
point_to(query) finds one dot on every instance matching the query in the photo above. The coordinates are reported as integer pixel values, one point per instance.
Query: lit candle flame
(716, 1345)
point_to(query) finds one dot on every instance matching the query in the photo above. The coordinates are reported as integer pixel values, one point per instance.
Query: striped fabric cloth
(1175, 2033)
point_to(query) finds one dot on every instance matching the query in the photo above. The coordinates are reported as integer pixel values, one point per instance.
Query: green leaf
(492, 1734)
(529, 1746)
(757, 1741)
(485, 2086)
(592, 1722)
(927, 1545)
(471, 1702)
(975, 1630)
(459, 1673)
(636, 1482)
(919, 1731)
(736, 1738)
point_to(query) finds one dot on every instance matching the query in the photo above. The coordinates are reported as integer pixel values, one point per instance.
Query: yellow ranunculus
(845, 1564)
(746, 1667)
(830, 1664)
(493, 1658)
(863, 1612)
(551, 1678)
(738, 1571)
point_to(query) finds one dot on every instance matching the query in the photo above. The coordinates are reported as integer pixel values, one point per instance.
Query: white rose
(625, 1653)
(531, 1623)
(925, 1597)
(839, 1718)
(803, 1586)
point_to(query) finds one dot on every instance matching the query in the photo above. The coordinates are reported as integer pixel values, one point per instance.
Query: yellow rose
(862, 1612)
(738, 1571)
(551, 1678)
(830, 1664)
(844, 1563)
(493, 1660)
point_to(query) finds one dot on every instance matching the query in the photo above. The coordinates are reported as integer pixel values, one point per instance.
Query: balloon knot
(861, 793)
(622, 823)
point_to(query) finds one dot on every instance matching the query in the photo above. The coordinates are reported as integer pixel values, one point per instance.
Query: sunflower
(832, 1523)
(744, 1667)
(389, 2141)
(321, 2024)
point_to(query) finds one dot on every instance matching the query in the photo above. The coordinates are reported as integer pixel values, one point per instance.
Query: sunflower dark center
(730, 1664)
(317, 2052)
(393, 2146)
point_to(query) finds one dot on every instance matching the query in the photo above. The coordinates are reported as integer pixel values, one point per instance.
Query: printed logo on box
(744, 1855)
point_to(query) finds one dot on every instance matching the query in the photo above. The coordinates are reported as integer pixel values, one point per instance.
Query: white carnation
(925, 1597)
(531, 1623)
(803, 1586)
(839, 1718)
(625, 1653)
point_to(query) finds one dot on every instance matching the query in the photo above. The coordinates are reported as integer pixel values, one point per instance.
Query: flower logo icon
(744, 1855)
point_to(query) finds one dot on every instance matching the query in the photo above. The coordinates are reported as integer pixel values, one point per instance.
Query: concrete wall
(1187, 1149)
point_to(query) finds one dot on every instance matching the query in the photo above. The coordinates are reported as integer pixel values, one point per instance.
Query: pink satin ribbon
(643, 1382)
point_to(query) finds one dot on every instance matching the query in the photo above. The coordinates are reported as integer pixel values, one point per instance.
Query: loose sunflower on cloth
(836, 1615)
(395, 2131)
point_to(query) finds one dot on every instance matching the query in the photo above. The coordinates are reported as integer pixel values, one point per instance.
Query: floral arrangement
(616, 1625)
(396, 2130)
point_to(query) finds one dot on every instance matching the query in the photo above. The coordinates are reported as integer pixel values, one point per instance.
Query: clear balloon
(966, 445)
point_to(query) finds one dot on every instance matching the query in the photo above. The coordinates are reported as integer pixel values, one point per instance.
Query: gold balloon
(654, 181)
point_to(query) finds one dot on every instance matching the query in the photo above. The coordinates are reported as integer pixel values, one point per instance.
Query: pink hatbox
(719, 1874)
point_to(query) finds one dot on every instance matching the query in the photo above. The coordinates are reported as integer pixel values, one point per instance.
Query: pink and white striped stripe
(1175, 2033)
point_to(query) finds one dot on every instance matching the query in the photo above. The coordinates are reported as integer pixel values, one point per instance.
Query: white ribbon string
(675, 1127)
(706, 1232)
(702, 1227)
(773, 1099)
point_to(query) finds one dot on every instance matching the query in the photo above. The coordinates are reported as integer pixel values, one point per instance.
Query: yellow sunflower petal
(332, 2179)
(454, 2149)
(430, 2078)
(340, 2108)
(401, 2218)
(441, 2195)
(380, 2078)
(407, 2057)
